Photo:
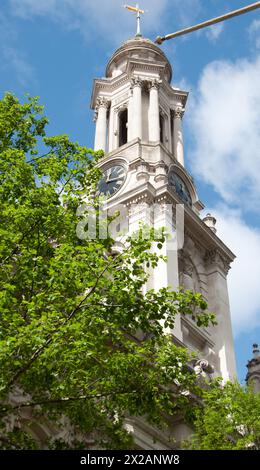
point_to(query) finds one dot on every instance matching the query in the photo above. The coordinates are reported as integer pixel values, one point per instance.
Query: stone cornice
(190, 235)
(145, 197)
(180, 96)
(145, 193)
(204, 235)
(216, 258)
(147, 436)
(107, 85)
(198, 230)
(145, 66)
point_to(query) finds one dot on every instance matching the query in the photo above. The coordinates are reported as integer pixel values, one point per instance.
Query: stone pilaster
(217, 267)
(130, 130)
(101, 124)
(178, 149)
(166, 274)
(153, 119)
(136, 124)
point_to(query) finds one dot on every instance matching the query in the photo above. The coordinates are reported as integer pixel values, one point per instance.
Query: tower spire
(138, 12)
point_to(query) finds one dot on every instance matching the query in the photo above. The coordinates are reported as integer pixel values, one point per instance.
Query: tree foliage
(81, 346)
(229, 419)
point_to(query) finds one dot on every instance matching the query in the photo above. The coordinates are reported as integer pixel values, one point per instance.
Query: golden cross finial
(136, 10)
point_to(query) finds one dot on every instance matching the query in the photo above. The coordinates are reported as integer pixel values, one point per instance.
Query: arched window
(161, 129)
(122, 126)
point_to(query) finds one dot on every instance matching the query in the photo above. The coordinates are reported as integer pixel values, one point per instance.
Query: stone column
(177, 136)
(218, 302)
(169, 132)
(153, 117)
(111, 126)
(166, 274)
(136, 124)
(130, 120)
(101, 124)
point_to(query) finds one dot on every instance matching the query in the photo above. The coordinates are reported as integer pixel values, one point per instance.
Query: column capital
(154, 83)
(136, 81)
(178, 112)
(214, 257)
(100, 116)
(102, 102)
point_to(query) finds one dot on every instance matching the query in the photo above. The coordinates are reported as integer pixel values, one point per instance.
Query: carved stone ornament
(136, 81)
(154, 83)
(213, 257)
(141, 198)
(102, 102)
(179, 112)
(203, 367)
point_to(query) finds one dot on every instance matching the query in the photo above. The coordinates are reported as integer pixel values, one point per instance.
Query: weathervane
(136, 10)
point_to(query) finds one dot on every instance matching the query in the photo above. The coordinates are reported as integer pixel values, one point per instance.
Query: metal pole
(240, 11)
(138, 29)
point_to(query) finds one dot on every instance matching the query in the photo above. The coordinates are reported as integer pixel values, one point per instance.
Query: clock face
(180, 187)
(113, 178)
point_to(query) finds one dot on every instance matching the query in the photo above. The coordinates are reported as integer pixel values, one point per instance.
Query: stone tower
(253, 366)
(138, 116)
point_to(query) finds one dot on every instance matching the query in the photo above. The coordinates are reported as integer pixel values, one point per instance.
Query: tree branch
(21, 240)
(69, 399)
(71, 315)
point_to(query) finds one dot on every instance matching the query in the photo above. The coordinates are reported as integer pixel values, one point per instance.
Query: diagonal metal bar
(218, 19)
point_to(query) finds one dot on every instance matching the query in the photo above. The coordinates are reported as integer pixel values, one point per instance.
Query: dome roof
(141, 49)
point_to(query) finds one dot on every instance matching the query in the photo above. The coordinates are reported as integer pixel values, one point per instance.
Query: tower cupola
(135, 100)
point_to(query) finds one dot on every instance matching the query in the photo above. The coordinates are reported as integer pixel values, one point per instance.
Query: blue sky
(54, 49)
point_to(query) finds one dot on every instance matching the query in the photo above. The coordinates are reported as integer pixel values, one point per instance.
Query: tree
(228, 418)
(80, 346)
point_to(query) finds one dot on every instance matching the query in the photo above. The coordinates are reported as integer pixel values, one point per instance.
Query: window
(161, 129)
(122, 127)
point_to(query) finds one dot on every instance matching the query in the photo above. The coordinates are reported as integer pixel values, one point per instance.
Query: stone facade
(139, 126)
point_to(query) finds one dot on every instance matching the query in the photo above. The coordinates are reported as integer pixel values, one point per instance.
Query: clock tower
(138, 116)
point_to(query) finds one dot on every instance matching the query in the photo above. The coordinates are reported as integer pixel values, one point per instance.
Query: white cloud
(244, 276)
(213, 32)
(185, 11)
(92, 17)
(254, 32)
(224, 123)
(110, 19)
(11, 56)
(24, 72)
(6, 32)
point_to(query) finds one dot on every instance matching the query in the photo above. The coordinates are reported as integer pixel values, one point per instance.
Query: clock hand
(108, 175)
(113, 179)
